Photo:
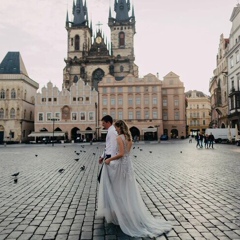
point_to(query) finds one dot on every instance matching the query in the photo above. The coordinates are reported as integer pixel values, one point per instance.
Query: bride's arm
(120, 151)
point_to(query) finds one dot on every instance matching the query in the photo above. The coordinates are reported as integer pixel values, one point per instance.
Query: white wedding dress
(120, 202)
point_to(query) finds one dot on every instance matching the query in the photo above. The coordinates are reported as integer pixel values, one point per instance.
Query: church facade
(109, 73)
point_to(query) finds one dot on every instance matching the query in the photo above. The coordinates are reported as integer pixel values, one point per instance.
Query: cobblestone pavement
(197, 189)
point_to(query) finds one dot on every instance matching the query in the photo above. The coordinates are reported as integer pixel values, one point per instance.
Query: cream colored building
(17, 92)
(233, 57)
(198, 112)
(141, 103)
(72, 114)
(218, 87)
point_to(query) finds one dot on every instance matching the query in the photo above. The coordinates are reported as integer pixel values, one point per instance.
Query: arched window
(13, 93)
(2, 94)
(77, 42)
(12, 113)
(1, 113)
(121, 39)
(75, 79)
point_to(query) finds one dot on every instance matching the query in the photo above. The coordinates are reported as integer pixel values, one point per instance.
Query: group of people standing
(208, 140)
(119, 198)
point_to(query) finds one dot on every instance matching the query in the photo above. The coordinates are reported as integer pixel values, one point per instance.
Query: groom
(111, 143)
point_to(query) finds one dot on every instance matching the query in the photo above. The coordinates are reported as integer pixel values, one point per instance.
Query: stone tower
(123, 29)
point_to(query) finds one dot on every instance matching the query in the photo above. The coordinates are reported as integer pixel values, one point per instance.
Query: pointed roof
(80, 13)
(13, 64)
(235, 12)
(122, 7)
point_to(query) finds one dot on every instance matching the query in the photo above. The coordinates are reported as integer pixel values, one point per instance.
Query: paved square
(197, 189)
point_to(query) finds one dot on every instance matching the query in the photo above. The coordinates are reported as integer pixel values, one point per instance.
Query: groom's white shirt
(111, 142)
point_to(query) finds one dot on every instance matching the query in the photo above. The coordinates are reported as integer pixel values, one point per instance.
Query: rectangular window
(49, 99)
(231, 61)
(138, 100)
(130, 115)
(130, 101)
(154, 89)
(176, 102)
(112, 89)
(120, 115)
(165, 115)
(137, 89)
(237, 56)
(87, 98)
(155, 115)
(91, 116)
(146, 102)
(138, 114)
(105, 102)
(164, 102)
(203, 122)
(154, 101)
(40, 117)
(49, 116)
(82, 116)
(120, 101)
(43, 99)
(112, 101)
(54, 99)
(130, 89)
(113, 115)
(74, 116)
(146, 114)
(74, 99)
(120, 89)
(164, 91)
(176, 115)
(146, 89)
(57, 115)
(80, 99)
(104, 90)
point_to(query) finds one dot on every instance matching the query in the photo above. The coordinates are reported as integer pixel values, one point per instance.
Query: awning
(149, 129)
(46, 134)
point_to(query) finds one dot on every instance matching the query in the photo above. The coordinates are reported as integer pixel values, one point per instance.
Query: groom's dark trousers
(100, 172)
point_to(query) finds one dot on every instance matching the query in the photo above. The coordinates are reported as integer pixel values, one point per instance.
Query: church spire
(122, 7)
(67, 21)
(80, 13)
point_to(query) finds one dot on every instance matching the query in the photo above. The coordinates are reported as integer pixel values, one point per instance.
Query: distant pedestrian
(205, 140)
(210, 140)
(198, 140)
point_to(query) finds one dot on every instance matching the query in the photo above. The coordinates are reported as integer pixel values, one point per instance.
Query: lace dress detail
(120, 202)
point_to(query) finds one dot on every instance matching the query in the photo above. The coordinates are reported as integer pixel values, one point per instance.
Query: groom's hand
(100, 160)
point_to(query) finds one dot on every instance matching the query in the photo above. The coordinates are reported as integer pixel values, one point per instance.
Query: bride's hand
(107, 161)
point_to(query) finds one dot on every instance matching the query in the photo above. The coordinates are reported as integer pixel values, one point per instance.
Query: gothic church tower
(123, 30)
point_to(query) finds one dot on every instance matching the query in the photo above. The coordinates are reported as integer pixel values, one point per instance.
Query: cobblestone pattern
(197, 189)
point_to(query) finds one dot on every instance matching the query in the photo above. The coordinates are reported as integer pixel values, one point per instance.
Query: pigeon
(150, 151)
(15, 174)
(80, 150)
(77, 153)
(61, 170)
(135, 156)
(133, 147)
(140, 149)
(82, 168)
(84, 151)
(36, 155)
(180, 151)
(76, 159)
(97, 147)
(15, 180)
(94, 153)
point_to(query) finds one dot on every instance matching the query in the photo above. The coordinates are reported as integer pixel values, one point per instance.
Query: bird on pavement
(82, 168)
(94, 153)
(135, 156)
(150, 151)
(76, 159)
(15, 174)
(36, 155)
(61, 170)
(77, 153)
(15, 180)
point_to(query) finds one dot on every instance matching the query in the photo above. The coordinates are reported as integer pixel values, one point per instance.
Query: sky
(181, 36)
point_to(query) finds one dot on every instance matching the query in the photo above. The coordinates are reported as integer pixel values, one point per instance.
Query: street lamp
(53, 120)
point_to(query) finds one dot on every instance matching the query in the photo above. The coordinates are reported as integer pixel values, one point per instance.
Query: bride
(119, 199)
